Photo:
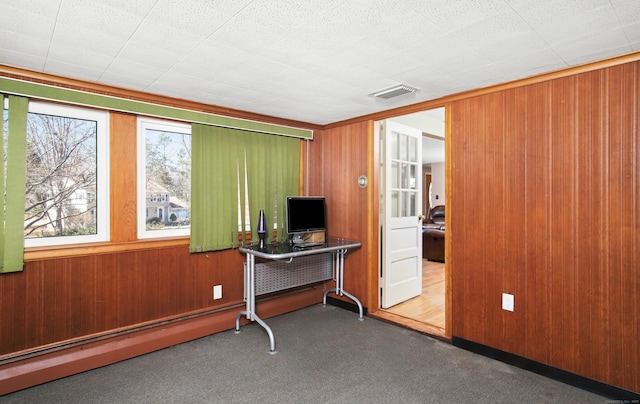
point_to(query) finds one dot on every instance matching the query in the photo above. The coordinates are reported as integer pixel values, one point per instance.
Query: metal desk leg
(339, 278)
(250, 299)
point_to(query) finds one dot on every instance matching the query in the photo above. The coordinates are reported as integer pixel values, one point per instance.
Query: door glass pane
(412, 204)
(395, 196)
(394, 145)
(413, 152)
(413, 175)
(403, 147)
(404, 181)
(394, 174)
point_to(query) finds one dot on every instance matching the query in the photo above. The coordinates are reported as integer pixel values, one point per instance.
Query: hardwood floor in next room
(424, 313)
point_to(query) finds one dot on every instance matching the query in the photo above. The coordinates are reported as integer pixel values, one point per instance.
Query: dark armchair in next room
(433, 235)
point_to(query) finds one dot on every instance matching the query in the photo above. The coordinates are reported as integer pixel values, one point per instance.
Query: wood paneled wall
(545, 206)
(82, 291)
(336, 158)
(66, 298)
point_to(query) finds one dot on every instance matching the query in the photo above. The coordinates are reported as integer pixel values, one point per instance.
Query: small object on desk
(262, 228)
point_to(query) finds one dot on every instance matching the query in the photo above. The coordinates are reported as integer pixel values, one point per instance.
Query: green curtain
(231, 166)
(12, 223)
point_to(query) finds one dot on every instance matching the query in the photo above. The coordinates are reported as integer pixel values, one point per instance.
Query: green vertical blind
(13, 181)
(232, 171)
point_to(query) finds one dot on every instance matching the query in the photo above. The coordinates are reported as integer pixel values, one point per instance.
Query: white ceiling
(308, 60)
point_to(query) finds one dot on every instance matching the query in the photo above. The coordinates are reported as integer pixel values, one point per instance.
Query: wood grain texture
(123, 191)
(336, 158)
(67, 298)
(543, 203)
(545, 206)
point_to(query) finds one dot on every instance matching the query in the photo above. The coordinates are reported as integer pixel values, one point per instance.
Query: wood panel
(123, 191)
(546, 179)
(67, 298)
(336, 158)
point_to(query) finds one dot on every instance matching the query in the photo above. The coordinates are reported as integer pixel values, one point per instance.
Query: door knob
(421, 217)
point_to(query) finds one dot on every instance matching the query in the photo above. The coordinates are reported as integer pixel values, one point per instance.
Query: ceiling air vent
(395, 91)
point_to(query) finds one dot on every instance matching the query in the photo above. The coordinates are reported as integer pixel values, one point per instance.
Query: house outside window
(164, 178)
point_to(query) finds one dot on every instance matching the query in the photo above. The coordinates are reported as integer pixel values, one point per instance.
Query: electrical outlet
(508, 302)
(217, 292)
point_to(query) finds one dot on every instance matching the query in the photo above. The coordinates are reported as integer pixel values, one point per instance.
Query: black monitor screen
(306, 214)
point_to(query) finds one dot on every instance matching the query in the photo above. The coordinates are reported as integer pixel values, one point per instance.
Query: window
(67, 175)
(164, 178)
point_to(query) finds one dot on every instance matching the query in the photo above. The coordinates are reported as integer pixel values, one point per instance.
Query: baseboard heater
(551, 372)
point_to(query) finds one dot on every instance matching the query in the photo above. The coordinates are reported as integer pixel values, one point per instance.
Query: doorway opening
(427, 311)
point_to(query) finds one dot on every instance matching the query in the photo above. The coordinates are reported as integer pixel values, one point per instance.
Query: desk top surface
(287, 250)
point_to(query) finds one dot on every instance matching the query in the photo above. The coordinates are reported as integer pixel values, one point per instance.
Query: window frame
(144, 123)
(103, 204)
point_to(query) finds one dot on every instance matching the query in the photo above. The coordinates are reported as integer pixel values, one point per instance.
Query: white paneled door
(401, 274)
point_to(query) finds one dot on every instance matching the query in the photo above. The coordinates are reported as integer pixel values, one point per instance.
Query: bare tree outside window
(61, 176)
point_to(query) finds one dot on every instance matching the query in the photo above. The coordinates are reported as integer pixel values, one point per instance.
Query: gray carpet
(324, 355)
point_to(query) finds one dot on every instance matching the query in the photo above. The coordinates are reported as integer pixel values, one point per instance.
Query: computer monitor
(305, 214)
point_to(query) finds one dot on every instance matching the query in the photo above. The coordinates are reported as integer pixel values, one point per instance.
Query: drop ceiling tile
(350, 18)
(451, 16)
(214, 91)
(172, 39)
(22, 42)
(82, 57)
(74, 70)
(88, 15)
(139, 8)
(631, 12)
(157, 56)
(293, 52)
(210, 61)
(30, 22)
(633, 33)
(176, 84)
(397, 65)
(38, 7)
(193, 16)
(439, 50)
(23, 60)
(543, 13)
(131, 74)
(343, 72)
(286, 16)
(242, 34)
(531, 63)
(585, 48)
(515, 46)
(69, 38)
(491, 30)
(415, 29)
(241, 78)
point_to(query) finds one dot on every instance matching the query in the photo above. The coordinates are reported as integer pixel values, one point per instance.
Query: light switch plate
(507, 302)
(217, 292)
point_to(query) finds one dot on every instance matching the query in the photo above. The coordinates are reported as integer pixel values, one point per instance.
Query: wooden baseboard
(61, 362)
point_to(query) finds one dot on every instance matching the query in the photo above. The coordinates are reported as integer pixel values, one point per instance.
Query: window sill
(77, 250)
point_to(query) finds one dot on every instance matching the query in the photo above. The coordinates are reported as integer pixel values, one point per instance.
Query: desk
(287, 255)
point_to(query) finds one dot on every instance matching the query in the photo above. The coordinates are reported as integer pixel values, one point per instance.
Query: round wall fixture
(363, 181)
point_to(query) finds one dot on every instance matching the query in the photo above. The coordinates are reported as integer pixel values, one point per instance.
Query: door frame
(375, 309)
